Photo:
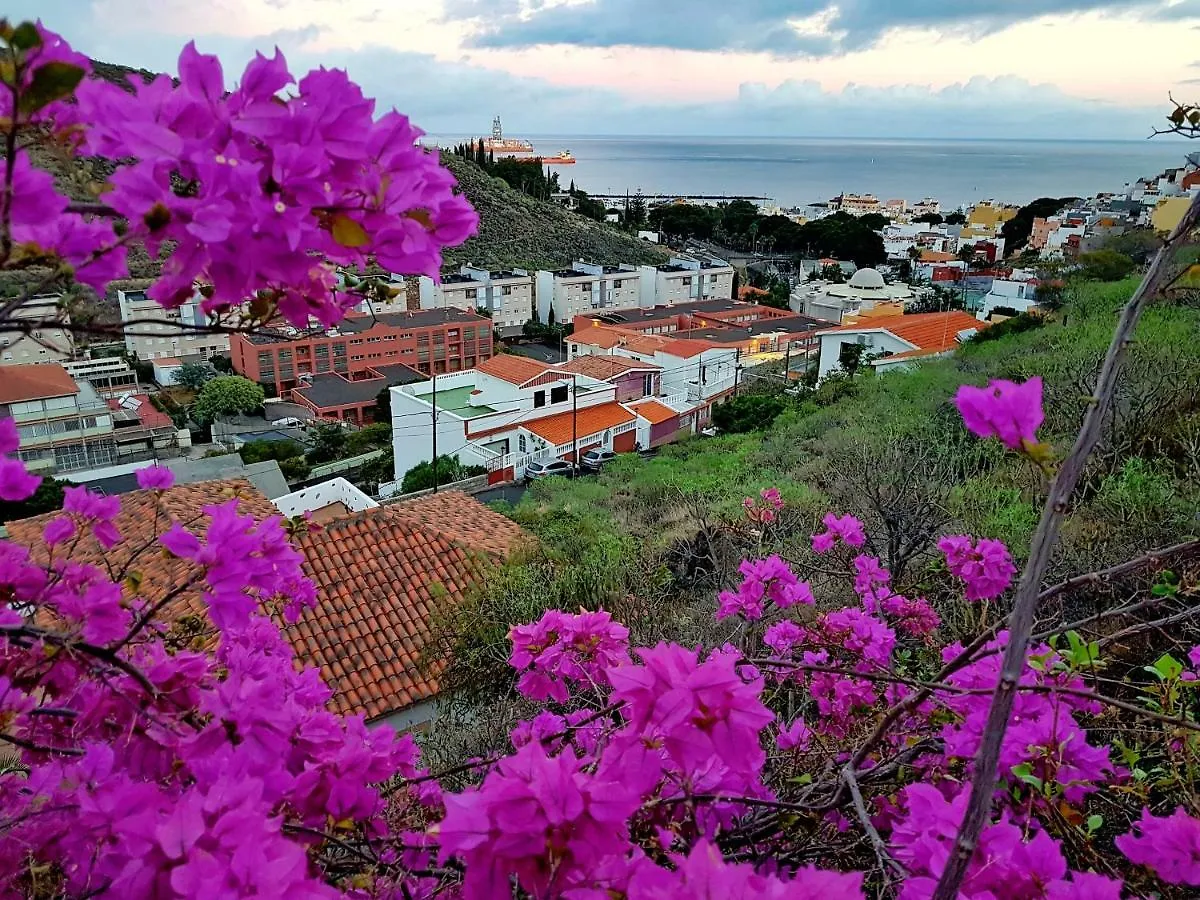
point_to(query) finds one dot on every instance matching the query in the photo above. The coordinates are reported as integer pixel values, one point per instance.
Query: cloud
(786, 28)
(453, 97)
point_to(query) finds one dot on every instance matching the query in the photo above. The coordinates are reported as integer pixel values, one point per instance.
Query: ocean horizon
(799, 170)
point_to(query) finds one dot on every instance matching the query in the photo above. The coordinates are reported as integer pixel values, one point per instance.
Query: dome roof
(867, 279)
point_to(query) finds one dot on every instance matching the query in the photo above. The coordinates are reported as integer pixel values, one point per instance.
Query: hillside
(515, 230)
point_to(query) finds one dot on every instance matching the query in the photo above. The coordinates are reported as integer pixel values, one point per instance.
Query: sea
(796, 171)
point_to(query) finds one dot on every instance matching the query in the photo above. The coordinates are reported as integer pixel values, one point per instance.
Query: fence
(467, 486)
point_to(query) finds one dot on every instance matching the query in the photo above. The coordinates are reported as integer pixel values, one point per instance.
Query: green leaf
(1093, 823)
(52, 81)
(25, 37)
(1168, 667)
(1024, 772)
(348, 232)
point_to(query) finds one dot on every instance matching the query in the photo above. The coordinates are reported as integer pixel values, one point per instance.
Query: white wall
(336, 490)
(874, 341)
(412, 431)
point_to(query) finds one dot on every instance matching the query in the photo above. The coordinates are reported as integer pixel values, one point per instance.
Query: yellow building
(989, 216)
(1168, 213)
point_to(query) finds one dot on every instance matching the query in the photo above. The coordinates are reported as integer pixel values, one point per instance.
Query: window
(559, 393)
(506, 290)
(617, 284)
(539, 399)
(521, 442)
(648, 385)
(586, 287)
(472, 293)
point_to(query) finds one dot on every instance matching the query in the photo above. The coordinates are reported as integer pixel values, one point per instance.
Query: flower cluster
(256, 193)
(1005, 410)
(985, 566)
(766, 508)
(846, 529)
(764, 580)
(1005, 864)
(1170, 845)
(561, 650)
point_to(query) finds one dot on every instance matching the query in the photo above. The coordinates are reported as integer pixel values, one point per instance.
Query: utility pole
(787, 362)
(575, 421)
(435, 461)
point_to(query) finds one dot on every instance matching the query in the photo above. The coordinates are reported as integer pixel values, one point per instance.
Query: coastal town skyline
(778, 68)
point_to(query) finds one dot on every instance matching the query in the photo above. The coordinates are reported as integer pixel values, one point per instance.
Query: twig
(1020, 623)
(877, 843)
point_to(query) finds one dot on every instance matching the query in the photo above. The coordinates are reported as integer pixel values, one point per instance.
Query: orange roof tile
(653, 411)
(458, 517)
(143, 516)
(559, 429)
(605, 367)
(382, 580)
(935, 256)
(381, 577)
(35, 381)
(512, 368)
(927, 332)
(687, 347)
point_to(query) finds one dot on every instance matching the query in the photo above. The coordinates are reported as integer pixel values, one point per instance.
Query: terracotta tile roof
(142, 517)
(688, 347)
(598, 336)
(605, 367)
(35, 381)
(381, 577)
(558, 429)
(936, 256)
(512, 368)
(454, 515)
(927, 332)
(382, 580)
(653, 411)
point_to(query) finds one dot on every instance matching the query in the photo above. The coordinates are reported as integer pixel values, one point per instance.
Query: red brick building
(430, 341)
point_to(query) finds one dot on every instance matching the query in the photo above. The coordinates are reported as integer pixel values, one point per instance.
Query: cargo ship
(498, 143)
(562, 158)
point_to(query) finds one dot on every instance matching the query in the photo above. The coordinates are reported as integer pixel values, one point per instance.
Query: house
(660, 422)
(894, 342)
(167, 333)
(865, 290)
(1168, 213)
(506, 295)
(48, 341)
(63, 425)
(586, 288)
(1018, 295)
(476, 416)
(333, 499)
(925, 207)
(632, 378)
(334, 396)
(570, 434)
(430, 341)
(382, 574)
(109, 375)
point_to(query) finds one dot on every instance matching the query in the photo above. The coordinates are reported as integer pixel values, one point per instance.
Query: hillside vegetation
(517, 230)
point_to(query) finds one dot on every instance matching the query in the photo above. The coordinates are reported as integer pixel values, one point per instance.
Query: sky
(1085, 69)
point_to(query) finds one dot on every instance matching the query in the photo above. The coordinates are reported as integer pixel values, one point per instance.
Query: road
(539, 352)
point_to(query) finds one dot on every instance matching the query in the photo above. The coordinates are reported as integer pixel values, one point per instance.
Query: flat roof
(457, 400)
(334, 390)
(459, 278)
(700, 307)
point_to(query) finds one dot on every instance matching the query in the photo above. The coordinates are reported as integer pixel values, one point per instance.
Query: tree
(328, 444)
(261, 451)
(904, 271)
(383, 405)
(747, 412)
(930, 218)
(223, 364)
(449, 470)
(227, 395)
(874, 221)
(194, 375)
(47, 498)
(1139, 244)
(956, 218)
(1016, 230)
(635, 210)
(1104, 265)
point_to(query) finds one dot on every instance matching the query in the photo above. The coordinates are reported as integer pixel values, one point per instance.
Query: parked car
(546, 469)
(594, 460)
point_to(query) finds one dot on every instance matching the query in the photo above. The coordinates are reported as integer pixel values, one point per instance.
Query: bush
(1015, 325)
(449, 470)
(749, 412)
(227, 395)
(259, 451)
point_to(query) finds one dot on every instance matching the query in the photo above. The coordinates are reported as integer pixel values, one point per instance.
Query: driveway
(510, 492)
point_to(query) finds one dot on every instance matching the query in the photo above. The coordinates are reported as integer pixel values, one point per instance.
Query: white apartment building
(686, 279)
(49, 342)
(168, 333)
(1018, 295)
(506, 294)
(587, 288)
